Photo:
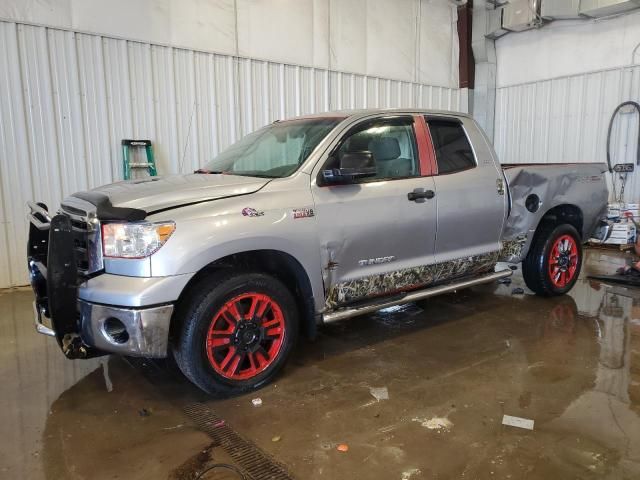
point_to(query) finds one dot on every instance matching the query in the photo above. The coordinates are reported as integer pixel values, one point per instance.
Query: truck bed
(507, 166)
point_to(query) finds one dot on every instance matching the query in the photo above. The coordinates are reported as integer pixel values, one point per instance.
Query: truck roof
(346, 113)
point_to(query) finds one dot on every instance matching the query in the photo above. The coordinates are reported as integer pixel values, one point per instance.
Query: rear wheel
(553, 263)
(236, 332)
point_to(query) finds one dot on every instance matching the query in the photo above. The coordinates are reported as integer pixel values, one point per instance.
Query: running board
(341, 314)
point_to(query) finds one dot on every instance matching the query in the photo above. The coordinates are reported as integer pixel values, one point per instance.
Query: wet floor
(451, 368)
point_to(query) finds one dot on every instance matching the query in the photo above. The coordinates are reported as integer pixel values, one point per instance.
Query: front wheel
(554, 260)
(236, 332)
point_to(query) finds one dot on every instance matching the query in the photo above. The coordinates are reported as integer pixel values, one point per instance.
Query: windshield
(274, 151)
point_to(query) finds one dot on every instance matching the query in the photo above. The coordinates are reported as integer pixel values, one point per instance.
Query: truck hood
(161, 193)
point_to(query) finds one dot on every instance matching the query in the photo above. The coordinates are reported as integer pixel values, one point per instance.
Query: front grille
(81, 244)
(86, 239)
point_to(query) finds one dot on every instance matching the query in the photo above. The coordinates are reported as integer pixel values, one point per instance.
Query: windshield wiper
(256, 175)
(204, 170)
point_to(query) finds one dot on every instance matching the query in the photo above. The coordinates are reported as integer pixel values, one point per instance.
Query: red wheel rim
(245, 336)
(563, 261)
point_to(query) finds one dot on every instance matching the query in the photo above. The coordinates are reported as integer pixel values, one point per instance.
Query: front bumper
(90, 315)
(142, 332)
(137, 332)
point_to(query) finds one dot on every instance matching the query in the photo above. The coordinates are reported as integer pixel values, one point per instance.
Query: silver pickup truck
(304, 222)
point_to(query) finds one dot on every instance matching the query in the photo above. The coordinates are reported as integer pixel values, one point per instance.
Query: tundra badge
(376, 261)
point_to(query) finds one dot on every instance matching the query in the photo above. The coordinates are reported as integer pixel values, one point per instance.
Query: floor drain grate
(256, 464)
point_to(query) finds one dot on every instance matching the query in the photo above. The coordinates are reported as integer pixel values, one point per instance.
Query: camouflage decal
(512, 249)
(252, 212)
(408, 279)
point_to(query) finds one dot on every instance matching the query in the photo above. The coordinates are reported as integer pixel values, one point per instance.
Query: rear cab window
(451, 145)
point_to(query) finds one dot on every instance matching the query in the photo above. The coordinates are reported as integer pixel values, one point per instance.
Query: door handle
(419, 195)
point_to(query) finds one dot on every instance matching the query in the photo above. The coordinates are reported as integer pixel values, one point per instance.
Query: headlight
(134, 240)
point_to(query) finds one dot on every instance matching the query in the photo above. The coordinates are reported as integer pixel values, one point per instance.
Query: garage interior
(417, 390)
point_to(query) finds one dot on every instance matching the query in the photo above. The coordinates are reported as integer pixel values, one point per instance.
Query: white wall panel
(67, 99)
(202, 24)
(348, 35)
(438, 49)
(566, 120)
(149, 20)
(568, 47)
(15, 171)
(411, 40)
(404, 39)
(282, 32)
(51, 12)
(320, 34)
(391, 51)
(116, 70)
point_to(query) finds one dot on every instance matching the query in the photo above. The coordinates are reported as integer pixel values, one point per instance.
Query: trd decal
(408, 279)
(303, 213)
(251, 212)
(376, 261)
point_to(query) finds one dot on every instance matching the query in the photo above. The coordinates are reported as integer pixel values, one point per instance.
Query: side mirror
(352, 167)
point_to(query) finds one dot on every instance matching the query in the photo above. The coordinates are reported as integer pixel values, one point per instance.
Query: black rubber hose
(613, 117)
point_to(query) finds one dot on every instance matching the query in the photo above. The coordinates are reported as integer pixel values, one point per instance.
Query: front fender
(204, 235)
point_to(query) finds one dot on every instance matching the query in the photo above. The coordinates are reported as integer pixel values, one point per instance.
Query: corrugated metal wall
(67, 99)
(566, 120)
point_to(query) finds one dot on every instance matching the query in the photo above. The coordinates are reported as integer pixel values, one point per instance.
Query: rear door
(372, 235)
(471, 193)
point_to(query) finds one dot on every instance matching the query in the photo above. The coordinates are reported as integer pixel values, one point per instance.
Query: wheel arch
(277, 263)
(563, 213)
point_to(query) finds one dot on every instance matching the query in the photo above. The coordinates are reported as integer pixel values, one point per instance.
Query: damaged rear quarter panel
(580, 185)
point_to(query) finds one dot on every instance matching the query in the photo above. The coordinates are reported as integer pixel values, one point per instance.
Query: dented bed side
(537, 190)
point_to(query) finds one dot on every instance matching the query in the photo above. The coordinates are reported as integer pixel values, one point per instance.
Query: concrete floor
(453, 367)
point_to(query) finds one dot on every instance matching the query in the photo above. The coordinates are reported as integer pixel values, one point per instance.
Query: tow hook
(74, 348)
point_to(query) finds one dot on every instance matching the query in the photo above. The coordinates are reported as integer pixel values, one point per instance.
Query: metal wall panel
(566, 119)
(67, 99)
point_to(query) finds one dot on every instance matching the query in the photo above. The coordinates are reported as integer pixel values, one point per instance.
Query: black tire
(207, 304)
(535, 267)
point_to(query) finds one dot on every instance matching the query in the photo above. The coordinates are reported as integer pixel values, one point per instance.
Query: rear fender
(574, 194)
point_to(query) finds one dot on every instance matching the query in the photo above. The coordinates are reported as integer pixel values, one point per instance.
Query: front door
(375, 232)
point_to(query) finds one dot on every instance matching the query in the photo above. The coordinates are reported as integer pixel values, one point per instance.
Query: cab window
(453, 151)
(392, 144)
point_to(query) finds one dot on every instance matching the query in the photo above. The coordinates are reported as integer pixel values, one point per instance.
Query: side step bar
(341, 314)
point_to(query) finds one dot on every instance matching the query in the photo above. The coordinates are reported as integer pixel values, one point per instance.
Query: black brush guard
(54, 279)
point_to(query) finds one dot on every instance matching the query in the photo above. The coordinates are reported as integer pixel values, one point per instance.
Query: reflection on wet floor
(95, 418)
(452, 368)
